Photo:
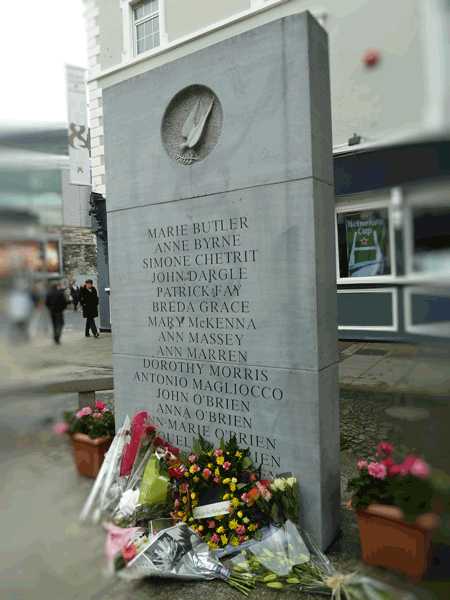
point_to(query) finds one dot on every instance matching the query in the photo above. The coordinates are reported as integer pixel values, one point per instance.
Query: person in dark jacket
(56, 303)
(75, 294)
(89, 303)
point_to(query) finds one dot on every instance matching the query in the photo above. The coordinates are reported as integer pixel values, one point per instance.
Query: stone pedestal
(222, 260)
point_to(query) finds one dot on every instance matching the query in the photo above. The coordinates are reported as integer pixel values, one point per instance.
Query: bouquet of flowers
(219, 494)
(95, 422)
(286, 560)
(175, 552)
(404, 482)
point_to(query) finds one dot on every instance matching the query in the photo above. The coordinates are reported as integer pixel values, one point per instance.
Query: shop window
(364, 243)
(146, 25)
(431, 239)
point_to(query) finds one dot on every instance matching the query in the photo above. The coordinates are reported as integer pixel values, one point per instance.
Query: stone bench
(85, 388)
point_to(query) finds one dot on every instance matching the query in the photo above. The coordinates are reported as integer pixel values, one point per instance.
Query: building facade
(46, 227)
(390, 88)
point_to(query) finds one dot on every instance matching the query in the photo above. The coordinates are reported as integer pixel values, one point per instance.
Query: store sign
(364, 243)
(78, 133)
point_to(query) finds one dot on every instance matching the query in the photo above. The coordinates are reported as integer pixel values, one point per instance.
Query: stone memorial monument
(222, 260)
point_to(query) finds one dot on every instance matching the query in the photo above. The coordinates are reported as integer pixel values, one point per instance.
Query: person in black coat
(89, 303)
(75, 293)
(56, 303)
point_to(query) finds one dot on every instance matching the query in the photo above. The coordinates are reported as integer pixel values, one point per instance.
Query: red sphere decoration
(371, 58)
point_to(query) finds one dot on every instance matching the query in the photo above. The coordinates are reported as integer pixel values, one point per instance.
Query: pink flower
(265, 493)
(377, 470)
(240, 530)
(100, 405)
(97, 415)
(385, 448)
(176, 504)
(207, 473)
(245, 498)
(415, 466)
(216, 479)
(129, 552)
(194, 469)
(60, 428)
(226, 465)
(215, 538)
(361, 464)
(218, 452)
(192, 458)
(84, 412)
(211, 524)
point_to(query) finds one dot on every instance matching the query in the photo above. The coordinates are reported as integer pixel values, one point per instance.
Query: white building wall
(404, 96)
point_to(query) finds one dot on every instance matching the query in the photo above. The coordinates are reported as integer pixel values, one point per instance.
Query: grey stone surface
(288, 418)
(272, 83)
(288, 283)
(223, 272)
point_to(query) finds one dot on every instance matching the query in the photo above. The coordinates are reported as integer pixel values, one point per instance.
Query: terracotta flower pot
(387, 540)
(89, 453)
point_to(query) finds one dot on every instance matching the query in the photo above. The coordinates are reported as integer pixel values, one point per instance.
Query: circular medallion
(192, 124)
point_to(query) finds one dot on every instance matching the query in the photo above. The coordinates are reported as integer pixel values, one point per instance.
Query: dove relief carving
(193, 130)
(191, 124)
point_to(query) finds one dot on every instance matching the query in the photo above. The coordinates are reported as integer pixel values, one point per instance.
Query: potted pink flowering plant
(91, 431)
(393, 500)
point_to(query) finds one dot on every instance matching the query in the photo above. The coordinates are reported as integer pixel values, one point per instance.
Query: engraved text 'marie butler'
(200, 227)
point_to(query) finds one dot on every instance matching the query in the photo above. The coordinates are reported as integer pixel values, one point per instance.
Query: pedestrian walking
(20, 309)
(56, 303)
(75, 294)
(89, 303)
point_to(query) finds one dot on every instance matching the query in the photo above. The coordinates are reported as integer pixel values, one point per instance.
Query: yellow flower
(196, 479)
(212, 545)
(234, 480)
(252, 527)
(226, 480)
(210, 465)
(193, 495)
(186, 473)
(220, 460)
(191, 519)
(194, 469)
(184, 499)
(180, 513)
(234, 541)
(223, 538)
(200, 528)
(225, 496)
(233, 487)
(240, 513)
(246, 520)
(235, 502)
(238, 454)
(220, 529)
(233, 524)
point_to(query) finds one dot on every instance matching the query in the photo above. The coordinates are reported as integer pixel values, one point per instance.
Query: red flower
(207, 473)
(129, 552)
(385, 448)
(177, 472)
(172, 449)
(159, 441)
(211, 524)
(100, 405)
(226, 465)
(251, 496)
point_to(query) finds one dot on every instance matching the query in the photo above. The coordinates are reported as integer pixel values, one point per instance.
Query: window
(146, 25)
(431, 239)
(364, 244)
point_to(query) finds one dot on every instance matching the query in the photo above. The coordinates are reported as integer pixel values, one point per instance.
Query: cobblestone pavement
(45, 551)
